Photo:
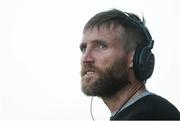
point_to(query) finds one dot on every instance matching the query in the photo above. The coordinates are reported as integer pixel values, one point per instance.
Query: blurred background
(40, 56)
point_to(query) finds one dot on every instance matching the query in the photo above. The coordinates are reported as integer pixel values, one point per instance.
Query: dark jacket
(148, 108)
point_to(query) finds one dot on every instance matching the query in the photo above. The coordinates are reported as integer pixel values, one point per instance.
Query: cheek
(103, 63)
(106, 59)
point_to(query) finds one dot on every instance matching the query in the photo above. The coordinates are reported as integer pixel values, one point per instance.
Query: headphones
(143, 60)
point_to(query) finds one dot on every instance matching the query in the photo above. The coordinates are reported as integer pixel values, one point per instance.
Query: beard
(108, 82)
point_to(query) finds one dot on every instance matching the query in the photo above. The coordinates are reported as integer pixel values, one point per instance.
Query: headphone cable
(91, 109)
(92, 101)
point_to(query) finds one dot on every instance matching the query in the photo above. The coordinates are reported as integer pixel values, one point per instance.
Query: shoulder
(155, 101)
(149, 107)
(157, 104)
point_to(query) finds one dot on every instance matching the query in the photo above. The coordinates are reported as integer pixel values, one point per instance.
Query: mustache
(88, 68)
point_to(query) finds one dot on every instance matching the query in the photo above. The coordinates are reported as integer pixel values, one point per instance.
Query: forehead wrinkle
(117, 30)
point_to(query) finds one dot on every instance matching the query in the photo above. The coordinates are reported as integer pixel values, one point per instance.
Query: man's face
(104, 68)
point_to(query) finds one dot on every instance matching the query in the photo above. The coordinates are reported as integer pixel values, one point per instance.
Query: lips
(87, 71)
(89, 76)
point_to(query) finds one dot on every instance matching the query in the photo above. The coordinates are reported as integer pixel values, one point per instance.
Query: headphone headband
(140, 24)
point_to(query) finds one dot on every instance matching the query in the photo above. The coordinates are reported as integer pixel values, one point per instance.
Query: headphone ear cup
(143, 63)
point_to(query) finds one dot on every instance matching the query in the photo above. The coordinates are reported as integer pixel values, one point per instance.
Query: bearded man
(116, 62)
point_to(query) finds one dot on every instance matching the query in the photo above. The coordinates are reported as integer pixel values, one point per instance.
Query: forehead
(111, 34)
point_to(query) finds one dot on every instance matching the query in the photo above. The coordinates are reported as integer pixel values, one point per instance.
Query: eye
(102, 46)
(82, 48)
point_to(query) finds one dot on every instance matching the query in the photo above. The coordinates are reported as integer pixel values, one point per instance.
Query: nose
(87, 57)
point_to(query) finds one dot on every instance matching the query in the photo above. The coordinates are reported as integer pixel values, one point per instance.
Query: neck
(122, 96)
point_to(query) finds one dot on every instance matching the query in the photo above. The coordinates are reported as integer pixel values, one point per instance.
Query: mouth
(88, 77)
(89, 73)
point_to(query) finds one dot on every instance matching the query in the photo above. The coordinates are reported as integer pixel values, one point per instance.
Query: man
(116, 62)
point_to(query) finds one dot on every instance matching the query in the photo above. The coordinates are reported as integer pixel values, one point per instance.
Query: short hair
(134, 33)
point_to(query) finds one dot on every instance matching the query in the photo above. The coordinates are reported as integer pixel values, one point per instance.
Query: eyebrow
(97, 41)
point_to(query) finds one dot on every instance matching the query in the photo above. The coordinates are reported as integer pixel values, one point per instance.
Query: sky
(40, 56)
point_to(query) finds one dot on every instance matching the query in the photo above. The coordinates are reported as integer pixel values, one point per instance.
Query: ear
(131, 56)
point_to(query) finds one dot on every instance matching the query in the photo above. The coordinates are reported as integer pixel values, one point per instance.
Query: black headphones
(143, 60)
